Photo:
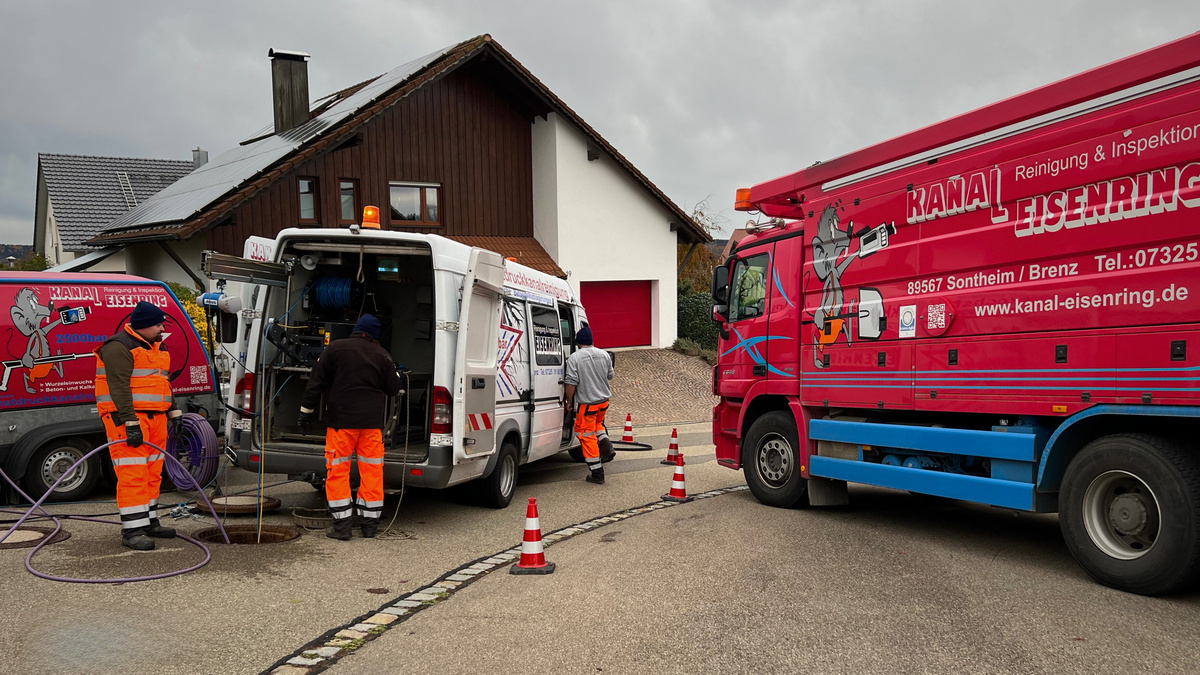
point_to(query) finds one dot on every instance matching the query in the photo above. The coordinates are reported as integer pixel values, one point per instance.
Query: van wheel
(771, 461)
(496, 490)
(576, 454)
(1129, 509)
(52, 459)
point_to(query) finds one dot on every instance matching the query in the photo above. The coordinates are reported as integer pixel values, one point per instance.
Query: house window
(415, 203)
(348, 193)
(309, 203)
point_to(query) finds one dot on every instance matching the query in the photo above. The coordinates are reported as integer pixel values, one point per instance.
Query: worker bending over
(588, 372)
(133, 397)
(356, 377)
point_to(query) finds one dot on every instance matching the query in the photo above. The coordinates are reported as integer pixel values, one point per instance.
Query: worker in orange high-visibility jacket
(356, 377)
(133, 397)
(588, 372)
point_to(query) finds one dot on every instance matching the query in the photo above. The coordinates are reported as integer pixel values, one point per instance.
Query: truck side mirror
(720, 285)
(720, 313)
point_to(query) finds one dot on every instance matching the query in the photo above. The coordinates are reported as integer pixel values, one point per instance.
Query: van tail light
(443, 412)
(245, 387)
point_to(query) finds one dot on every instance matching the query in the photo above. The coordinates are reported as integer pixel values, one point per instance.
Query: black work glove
(304, 421)
(133, 434)
(174, 424)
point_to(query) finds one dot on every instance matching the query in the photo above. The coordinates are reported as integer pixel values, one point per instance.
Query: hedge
(695, 319)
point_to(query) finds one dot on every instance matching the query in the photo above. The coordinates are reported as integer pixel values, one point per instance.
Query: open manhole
(28, 536)
(238, 505)
(248, 534)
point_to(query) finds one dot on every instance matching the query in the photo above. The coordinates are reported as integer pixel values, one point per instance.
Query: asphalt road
(892, 583)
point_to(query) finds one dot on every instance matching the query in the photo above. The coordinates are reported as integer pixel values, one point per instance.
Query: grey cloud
(703, 96)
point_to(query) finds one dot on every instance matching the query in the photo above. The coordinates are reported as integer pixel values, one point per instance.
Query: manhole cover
(28, 536)
(248, 534)
(234, 505)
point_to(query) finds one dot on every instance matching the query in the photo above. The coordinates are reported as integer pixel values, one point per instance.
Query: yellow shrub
(200, 318)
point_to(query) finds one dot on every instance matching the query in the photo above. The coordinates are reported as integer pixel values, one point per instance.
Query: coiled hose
(58, 525)
(334, 292)
(198, 443)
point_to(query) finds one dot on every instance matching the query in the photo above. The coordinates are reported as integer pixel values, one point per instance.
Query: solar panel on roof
(231, 169)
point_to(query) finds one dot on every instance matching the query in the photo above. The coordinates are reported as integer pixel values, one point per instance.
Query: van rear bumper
(434, 471)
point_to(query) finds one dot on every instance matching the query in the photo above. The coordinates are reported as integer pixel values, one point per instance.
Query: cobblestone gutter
(323, 652)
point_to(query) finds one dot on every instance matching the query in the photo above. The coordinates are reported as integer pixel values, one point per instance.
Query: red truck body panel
(1038, 273)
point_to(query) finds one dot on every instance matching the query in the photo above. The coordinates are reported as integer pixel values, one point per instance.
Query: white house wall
(150, 261)
(609, 228)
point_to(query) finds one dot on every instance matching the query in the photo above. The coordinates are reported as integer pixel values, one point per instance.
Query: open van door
(475, 356)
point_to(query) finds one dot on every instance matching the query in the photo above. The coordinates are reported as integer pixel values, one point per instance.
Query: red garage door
(618, 312)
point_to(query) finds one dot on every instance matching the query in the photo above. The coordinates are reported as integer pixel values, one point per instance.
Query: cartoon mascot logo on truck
(28, 314)
(831, 257)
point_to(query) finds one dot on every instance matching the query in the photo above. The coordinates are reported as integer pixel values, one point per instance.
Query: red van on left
(53, 324)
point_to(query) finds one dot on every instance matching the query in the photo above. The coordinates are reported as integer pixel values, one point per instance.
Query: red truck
(1002, 308)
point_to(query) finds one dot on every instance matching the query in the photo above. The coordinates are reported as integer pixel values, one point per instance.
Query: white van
(470, 411)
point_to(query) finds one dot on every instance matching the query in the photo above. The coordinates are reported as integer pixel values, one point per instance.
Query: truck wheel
(1129, 509)
(55, 457)
(496, 490)
(771, 461)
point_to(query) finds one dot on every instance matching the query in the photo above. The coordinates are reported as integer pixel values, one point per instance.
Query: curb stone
(335, 643)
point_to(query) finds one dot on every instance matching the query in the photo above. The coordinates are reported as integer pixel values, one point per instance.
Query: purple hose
(58, 526)
(198, 442)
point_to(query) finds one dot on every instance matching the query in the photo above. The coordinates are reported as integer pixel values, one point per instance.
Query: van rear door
(475, 356)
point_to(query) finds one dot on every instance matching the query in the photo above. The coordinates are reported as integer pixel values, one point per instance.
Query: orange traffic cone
(673, 449)
(627, 437)
(533, 559)
(678, 491)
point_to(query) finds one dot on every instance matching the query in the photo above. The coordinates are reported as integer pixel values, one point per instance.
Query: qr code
(199, 374)
(937, 317)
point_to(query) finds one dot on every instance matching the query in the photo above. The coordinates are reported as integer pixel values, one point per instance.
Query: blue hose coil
(334, 292)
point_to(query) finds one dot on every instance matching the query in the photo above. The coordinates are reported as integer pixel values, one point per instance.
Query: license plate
(242, 424)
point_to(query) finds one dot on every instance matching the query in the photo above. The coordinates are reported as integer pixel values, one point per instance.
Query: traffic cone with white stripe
(673, 449)
(627, 437)
(678, 491)
(533, 559)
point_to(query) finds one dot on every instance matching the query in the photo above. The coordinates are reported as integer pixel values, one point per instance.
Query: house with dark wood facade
(464, 143)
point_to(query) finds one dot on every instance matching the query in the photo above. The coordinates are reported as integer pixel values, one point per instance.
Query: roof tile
(86, 193)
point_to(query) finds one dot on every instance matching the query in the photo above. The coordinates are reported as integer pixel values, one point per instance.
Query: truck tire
(1129, 509)
(496, 489)
(771, 461)
(55, 457)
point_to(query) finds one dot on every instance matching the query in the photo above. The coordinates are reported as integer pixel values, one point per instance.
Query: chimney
(289, 88)
(199, 158)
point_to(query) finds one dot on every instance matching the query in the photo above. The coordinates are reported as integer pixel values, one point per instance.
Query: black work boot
(137, 542)
(370, 527)
(596, 477)
(340, 529)
(607, 454)
(158, 531)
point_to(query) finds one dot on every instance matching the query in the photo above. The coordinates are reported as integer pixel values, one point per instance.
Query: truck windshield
(748, 296)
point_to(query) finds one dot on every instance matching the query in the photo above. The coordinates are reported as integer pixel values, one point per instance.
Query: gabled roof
(209, 194)
(86, 192)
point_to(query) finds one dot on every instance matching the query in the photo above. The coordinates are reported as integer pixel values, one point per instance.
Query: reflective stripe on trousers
(139, 470)
(340, 444)
(589, 421)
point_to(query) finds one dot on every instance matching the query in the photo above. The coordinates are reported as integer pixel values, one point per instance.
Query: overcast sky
(703, 97)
